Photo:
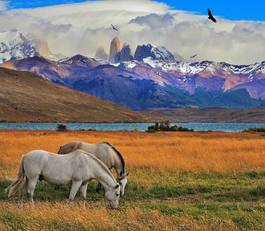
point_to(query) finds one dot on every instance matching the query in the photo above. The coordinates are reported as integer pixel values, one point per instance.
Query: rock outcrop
(115, 48)
(101, 54)
(125, 54)
(154, 52)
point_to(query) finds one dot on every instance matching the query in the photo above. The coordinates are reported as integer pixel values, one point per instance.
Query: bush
(61, 127)
(255, 130)
(165, 126)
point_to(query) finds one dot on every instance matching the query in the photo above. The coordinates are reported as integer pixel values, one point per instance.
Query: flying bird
(114, 28)
(211, 17)
(192, 57)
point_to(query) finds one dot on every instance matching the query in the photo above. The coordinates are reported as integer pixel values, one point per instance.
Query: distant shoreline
(146, 122)
(75, 122)
(141, 127)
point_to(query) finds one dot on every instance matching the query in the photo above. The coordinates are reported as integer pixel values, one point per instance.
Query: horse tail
(19, 182)
(60, 151)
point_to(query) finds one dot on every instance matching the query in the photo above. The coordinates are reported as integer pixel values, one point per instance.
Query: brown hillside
(25, 97)
(210, 115)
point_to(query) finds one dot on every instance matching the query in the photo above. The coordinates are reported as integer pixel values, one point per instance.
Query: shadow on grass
(216, 187)
(239, 195)
(138, 192)
(50, 192)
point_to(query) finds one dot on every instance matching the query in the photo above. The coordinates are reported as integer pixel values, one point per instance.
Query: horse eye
(117, 194)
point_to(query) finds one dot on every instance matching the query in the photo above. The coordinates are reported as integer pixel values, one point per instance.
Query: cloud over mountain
(83, 28)
(2, 5)
(154, 20)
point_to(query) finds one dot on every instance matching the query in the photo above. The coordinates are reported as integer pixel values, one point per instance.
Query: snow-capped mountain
(192, 68)
(154, 53)
(79, 60)
(14, 45)
(154, 79)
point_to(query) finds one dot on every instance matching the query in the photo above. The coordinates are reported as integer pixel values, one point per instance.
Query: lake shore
(226, 127)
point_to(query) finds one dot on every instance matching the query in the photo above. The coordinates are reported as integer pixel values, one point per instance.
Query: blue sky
(230, 9)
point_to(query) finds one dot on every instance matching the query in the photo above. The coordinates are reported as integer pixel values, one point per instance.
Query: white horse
(77, 167)
(107, 153)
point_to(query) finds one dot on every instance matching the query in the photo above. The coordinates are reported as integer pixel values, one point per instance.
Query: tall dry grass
(76, 217)
(209, 152)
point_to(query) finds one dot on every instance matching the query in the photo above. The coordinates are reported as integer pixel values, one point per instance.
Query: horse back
(69, 147)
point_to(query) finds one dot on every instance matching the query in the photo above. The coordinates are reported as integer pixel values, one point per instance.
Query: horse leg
(22, 191)
(74, 188)
(84, 190)
(98, 188)
(31, 187)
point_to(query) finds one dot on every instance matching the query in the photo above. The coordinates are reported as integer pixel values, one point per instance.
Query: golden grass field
(177, 181)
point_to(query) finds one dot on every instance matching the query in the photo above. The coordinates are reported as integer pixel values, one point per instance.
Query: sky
(70, 27)
(229, 9)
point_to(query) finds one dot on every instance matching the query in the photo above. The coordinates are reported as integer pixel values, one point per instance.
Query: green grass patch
(248, 186)
(64, 226)
(3, 185)
(246, 222)
(13, 221)
(244, 217)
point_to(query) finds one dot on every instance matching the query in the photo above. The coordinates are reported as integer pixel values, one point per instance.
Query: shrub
(61, 127)
(255, 130)
(165, 126)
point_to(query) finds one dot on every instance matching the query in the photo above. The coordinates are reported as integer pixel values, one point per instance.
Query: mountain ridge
(25, 97)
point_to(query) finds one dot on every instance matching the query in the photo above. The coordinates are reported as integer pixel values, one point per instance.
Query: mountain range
(153, 78)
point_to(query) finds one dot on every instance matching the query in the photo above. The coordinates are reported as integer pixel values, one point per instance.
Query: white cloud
(82, 28)
(3, 5)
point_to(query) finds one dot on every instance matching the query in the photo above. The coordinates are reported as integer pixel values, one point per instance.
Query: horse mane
(99, 162)
(119, 155)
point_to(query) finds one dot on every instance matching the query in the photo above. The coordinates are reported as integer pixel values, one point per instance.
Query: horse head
(113, 196)
(122, 179)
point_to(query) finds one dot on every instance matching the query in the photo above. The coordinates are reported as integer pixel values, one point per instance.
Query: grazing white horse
(107, 153)
(77, 167)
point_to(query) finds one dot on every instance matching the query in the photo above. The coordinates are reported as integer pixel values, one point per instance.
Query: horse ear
(117, 186)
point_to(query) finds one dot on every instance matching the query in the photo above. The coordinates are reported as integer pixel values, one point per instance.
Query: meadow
(177, 181)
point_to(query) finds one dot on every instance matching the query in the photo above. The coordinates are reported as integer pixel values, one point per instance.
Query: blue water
(227, 127)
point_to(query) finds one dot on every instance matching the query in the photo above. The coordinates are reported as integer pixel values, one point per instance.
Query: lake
(227, 127)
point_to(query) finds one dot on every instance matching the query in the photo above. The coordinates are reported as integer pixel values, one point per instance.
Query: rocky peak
(125, 54)
(80, 60)
(101, 54)
(115, 48)
(154, 52)
(14, 45)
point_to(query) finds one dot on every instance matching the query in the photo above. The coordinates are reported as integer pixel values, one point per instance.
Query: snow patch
(14, 45)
